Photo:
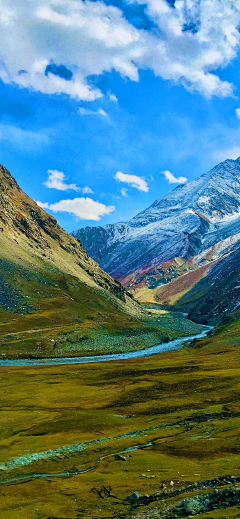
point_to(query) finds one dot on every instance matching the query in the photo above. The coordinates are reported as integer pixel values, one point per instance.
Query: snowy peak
(215, 194)
(180, 224)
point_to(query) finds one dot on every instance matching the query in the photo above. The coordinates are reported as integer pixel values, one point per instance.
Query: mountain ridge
(199, 207)
(179, 227)
(21, 218)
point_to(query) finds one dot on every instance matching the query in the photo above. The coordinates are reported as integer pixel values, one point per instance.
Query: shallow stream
(176, 344)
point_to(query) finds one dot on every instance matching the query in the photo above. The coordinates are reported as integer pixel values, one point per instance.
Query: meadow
(77, 441)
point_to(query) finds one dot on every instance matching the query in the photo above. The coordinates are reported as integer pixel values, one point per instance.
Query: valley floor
(55, 331)
(77, 440)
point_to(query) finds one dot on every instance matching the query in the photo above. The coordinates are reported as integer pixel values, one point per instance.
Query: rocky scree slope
(206, 285)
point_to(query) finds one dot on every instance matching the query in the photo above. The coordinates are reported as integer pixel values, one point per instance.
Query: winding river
(153, 350)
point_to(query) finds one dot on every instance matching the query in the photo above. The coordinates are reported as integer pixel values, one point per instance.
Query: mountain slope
(178, 244)
(54, 299)
(29, 231)
(217, 294)
(181, 224)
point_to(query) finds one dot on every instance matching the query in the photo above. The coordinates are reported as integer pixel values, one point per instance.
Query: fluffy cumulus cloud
(134, 181)
(56, 180)
(189, 40)
(196, 37)
(82, 208)
(172, 179)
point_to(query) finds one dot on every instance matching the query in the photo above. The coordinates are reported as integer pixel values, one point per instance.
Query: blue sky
(107, 106)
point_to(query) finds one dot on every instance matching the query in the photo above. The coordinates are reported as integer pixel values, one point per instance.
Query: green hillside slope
(54, 299)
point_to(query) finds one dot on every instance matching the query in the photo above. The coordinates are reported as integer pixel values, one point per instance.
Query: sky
(106, 106)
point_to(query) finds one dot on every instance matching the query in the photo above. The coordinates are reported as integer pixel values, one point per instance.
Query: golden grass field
(179, 412)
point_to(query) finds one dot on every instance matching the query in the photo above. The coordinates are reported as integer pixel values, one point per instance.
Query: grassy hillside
(45, 312)
(169, 294)
(54, 299)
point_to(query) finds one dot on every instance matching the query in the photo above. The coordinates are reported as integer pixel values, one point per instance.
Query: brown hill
(27, 231)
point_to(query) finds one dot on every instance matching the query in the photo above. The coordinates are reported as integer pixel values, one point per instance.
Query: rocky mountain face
(176, 241)
(217, 294)
(24, 223)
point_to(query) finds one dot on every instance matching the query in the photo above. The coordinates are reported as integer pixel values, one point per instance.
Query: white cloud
(124, 191)
(237, 112)
(82, 208)
(43, 205)
(86, 190)
(189, 42)
(84, 111)
(134, 181)
(195, 38)
(23, 139)
(102, 112)
(227, 153)
(113, 98)
(38, 27)
(56, 181)
(172, 179)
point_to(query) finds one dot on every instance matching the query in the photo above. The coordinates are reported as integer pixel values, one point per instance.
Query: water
(74, 472)
(153, 350)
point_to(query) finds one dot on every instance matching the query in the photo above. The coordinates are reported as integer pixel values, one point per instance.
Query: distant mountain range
(183, 250)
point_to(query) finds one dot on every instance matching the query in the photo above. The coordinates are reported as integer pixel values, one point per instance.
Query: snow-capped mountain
(191, 218)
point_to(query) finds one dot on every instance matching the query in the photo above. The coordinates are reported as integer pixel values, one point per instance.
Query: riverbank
(153, 350)
(87, 339)
(78, 440)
